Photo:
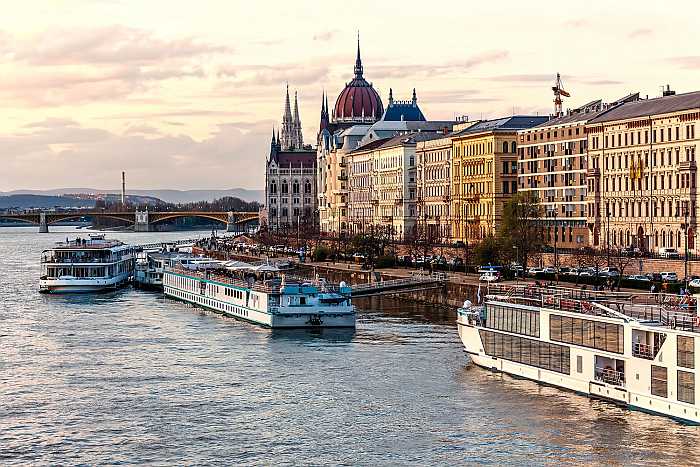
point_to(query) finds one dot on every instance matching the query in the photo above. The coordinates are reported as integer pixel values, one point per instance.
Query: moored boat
(87, 265)
(636, 350)
(260, 294)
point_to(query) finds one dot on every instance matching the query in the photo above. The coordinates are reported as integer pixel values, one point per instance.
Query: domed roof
(358, 102)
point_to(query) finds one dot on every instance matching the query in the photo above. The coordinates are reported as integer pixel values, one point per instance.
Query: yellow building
(484, 174)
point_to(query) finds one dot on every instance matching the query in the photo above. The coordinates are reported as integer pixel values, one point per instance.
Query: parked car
(533, 270)
(609, 272)
(549, 270)
(695, 283)
(669, 276)
(669, 253)
(638, 278)
(631, 251)
(564, 270)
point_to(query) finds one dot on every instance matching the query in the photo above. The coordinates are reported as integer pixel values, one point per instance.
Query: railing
(610, 376)
(644, 351)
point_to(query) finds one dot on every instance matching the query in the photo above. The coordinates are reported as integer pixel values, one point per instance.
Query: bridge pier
(43, 225)
(230, 222)
(141, 223)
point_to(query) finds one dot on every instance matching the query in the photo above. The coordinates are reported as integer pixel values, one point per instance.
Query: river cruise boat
(150, 265)
(261, 295)
(637, 350)
(87, 265)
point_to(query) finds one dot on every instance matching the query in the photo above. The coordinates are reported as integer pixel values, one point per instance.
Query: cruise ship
(87, 265)
(636, 350)
(261, 295)
(150, 266)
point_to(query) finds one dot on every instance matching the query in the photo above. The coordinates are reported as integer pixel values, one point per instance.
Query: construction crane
(558, 89)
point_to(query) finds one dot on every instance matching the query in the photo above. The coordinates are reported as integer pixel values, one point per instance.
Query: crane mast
(559, 91)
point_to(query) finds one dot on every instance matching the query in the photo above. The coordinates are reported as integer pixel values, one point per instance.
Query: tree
(488, 251)
(580, 259)
(421, 242)
(621, 260)
(520, 226)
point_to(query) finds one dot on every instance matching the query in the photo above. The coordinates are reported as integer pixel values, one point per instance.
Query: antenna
(123, 189)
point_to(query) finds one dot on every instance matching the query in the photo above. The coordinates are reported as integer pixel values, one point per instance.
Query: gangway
(395, 286)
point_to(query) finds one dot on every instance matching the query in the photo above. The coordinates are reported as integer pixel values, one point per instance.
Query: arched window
(285, 187)
(295, 187)
(307, 187)
(505, 147)
(273, 187)
(512, 147)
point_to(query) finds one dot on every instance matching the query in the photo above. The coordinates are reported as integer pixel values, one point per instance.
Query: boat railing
(644, 350)
(610, 376)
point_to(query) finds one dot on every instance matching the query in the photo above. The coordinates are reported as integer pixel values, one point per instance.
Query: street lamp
(517, 261)
(685, 230)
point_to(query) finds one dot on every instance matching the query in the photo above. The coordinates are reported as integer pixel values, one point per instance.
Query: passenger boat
(636, 350)
(261, 295)
(150, 266)
(86, 265)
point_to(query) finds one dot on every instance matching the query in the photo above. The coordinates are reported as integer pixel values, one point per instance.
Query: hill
(169, 196)
(40, 201)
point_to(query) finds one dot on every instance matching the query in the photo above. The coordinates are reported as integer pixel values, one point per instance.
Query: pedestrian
(653, 288)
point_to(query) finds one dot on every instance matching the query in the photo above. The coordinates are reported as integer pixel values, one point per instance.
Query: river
(132, 378)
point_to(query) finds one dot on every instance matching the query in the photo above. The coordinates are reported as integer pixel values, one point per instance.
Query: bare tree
(621, 260)
(580, 259)
(520, 225)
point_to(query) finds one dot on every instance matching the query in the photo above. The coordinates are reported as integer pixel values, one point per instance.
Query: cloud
(325, 36)
(689, 62)
(601, 82)
(577, 23)
(428, 70)
(232, 155)
(263, 75)
(531, 78)
(109, 45)
(641, 32)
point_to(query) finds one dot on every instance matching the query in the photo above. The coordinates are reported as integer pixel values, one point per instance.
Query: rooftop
(648, 107)
(517, 122)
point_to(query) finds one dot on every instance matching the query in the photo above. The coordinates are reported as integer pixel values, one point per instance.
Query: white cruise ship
(86, 265)
(636, 350)
(150, 266)
(261, 295)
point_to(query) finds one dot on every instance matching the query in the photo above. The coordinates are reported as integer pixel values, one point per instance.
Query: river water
(132, 378)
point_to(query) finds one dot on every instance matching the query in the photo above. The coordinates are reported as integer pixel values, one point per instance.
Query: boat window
(544, 355)
(596, 334)
(686, 387)
(659, 381)
(686, 351)
(579, 364)
(511, 319)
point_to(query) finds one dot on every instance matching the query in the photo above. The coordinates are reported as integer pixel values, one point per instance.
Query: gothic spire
(358, 60)
(391, 96)
(414, 99)
(297, 140)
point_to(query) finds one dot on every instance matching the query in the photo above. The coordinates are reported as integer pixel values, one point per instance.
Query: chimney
(667, 92)
(123, 189)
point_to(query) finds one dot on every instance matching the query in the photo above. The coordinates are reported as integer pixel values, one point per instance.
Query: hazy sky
(184, 94)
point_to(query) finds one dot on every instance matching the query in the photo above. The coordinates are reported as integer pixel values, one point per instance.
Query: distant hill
(169, 196)
(40, 201)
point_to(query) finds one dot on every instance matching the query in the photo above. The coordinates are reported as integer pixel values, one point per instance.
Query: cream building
(433, 186)
(642, 173)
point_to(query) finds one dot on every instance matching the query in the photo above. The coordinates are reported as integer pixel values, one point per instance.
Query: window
(659, 381)
(686, 387)
(579, 364)
(544, 355)
(515, 320)
(505, 147)
(587, 333)
(686, 351)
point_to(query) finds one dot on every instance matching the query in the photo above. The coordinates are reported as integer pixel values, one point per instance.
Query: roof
(517, 122)
(371, 145)
(403, 111)
(574, 117)
(359, 100)
(647, 107)
(295, 158)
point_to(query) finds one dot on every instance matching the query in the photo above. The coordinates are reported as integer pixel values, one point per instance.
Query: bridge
(141, 220)
(395, 286)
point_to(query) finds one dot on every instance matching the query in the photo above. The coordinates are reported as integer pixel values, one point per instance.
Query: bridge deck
(409, 284)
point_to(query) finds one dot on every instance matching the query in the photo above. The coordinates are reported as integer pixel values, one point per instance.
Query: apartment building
(642, 173)
(433, 186)
(484, 174)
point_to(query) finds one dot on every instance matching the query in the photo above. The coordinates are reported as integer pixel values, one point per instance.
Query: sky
(185, 94)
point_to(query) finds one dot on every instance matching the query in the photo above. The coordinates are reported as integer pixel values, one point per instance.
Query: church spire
(288, 128)
(358, 60)
(298, 139)
(414, 99)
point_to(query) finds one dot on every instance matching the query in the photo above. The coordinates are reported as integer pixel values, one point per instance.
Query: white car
(694, 283)
(669, 276)
(534, 270)
(549, 270)
(489, 277)
(639, 277)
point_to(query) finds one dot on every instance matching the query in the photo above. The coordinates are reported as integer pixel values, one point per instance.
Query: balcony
(343, 178)
(610, 376)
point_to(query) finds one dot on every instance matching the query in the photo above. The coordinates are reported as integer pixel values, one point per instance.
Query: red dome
(358, 102)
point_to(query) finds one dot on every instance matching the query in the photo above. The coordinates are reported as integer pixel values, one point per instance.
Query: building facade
(290, 175)
(642, 174)
(433, 186)
(552, 166)
(484, 174)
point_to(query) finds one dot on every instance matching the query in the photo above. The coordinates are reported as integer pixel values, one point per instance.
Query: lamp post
(517, 261)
